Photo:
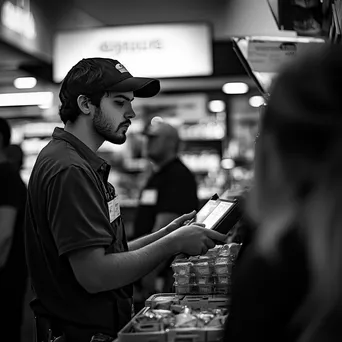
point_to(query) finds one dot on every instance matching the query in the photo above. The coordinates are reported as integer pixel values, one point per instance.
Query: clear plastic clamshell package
(206, 274)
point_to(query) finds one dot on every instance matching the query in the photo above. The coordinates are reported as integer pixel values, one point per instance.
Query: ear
(84, 104)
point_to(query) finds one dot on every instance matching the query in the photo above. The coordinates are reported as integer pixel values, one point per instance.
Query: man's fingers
(202, 225)
(185, 217)
(210, 243)
(212, 234)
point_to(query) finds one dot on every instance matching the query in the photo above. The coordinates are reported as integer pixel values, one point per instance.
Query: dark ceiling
(15, 63)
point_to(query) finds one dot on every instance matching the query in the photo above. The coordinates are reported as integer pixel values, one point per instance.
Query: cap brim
(141, 86)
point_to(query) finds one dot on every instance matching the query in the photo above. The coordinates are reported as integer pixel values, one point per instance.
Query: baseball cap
(115, 77)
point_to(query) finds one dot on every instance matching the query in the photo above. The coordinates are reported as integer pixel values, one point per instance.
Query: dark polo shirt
(67, 210)
(175, 191)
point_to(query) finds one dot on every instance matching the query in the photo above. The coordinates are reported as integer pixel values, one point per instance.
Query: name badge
(114, 209)
(149, 197)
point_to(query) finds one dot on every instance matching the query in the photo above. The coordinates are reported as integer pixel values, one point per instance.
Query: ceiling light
(235, 88)
(25, 82)
(26, 99)
(217, 106)
(256, 101)
(227, 164)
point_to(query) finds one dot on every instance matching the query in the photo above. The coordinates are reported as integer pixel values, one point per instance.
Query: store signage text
(130, 46)
(154, 50)
(18, 20)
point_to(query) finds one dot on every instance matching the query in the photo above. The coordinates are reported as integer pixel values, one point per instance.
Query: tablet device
(219, 214)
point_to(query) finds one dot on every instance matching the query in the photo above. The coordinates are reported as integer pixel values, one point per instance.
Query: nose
(130, 114)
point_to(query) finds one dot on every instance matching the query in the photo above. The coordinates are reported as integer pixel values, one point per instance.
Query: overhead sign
(154, 50)
(270, 56)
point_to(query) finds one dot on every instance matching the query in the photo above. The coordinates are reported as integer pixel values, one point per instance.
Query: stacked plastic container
(206, 274)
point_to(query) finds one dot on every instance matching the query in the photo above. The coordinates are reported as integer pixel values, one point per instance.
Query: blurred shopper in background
(82, 268)
(13, 270)
(288, 284)
(170, 191)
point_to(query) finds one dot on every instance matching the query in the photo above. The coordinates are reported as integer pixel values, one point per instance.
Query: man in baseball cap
(81, 266)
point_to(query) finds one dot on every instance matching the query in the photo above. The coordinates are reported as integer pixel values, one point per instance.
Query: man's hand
(196, 240)
(181, 221)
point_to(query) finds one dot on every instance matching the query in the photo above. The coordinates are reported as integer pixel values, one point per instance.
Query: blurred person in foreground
(288, 283)
(170, 191)
(13, 270)
(80, 264)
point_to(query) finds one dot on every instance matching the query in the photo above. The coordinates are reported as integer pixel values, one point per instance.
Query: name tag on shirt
(114, 209)
(149, 197)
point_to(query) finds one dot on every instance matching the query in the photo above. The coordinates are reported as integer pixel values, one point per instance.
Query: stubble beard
(105, 129)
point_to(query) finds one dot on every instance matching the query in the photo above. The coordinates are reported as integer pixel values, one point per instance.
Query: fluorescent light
(26, 99)
(217, 106)
(256, 101)
(235, 88)
(227, 164)
(25, 82)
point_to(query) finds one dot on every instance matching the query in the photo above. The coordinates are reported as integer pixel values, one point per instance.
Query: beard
(105, 129)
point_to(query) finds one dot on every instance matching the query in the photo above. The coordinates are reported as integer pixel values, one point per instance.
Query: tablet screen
(219, 211)
(206, 210)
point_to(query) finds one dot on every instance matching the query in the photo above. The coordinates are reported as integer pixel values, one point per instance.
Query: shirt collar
(97, 163)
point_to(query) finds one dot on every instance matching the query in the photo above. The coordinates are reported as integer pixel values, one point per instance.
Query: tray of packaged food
(175, 325)
(170, 300)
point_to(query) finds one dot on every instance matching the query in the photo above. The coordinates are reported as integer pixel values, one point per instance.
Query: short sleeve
(77, 211)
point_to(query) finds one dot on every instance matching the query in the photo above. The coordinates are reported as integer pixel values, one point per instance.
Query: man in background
(170, 191)
(13, 270)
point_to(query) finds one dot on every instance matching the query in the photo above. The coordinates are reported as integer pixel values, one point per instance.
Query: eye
(119, 103)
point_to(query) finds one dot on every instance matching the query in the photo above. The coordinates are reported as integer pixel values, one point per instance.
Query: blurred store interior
(208, 91)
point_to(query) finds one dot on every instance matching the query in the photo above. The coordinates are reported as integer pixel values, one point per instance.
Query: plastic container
(183, 289)
(163, 299)
(222, 259)
(224, 268)
(202, 268)
(204, 280)
(223, 279)
(223, 289)
(205, 289)
(185, 279)
(182, 268)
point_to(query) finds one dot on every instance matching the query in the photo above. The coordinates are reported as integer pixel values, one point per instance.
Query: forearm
(146, 240)
(120, 269)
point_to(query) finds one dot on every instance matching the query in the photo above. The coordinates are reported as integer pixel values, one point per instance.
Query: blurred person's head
(96, 95)
(162, 142)
(15, 156)
(5, 137)
(298, 171)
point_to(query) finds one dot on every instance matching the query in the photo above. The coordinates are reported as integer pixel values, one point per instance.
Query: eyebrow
(124, 97)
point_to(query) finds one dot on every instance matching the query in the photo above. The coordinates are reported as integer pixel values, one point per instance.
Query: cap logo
(121, 68)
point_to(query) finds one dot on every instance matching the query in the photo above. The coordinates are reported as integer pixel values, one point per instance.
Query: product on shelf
(206, 274)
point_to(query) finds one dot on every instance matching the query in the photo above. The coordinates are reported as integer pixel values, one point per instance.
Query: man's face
(156, 147)
(113, 117)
